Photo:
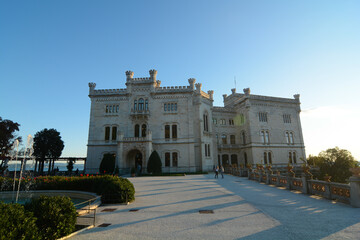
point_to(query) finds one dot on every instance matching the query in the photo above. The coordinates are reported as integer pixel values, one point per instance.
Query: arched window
(146, 104)
(265, 158)
(225, 160)
(114, 133)
(291, 138)
(232, 139)
(137, 130)
(206, 125)
(141, 104)
(135, 105)
(294, 157)
(243, 137)
(167, 131)
(223, 138)
(174, 159)
(290, 157)
(245, 158)
(174, 131)
(269, 157)
(267, 137)
(167, 159)
(107, 133)
(143, 130)
(262, 136)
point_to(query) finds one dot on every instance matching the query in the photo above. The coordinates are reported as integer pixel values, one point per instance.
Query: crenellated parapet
(211, 94)
(120, 91)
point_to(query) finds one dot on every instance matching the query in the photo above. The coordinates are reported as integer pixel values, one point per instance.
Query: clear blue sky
(50, 50)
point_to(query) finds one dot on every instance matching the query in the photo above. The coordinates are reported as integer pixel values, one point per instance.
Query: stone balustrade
(347, 193)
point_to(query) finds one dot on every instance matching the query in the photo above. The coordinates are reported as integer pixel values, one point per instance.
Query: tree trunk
(36, 163)
(49, 167)
(53, 163)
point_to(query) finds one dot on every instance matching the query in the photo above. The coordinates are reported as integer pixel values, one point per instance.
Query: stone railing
(347, 193)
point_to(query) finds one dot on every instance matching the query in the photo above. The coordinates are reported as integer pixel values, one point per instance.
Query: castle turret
(192, 82)
(91, 87)
(153, 74)
(129, 75)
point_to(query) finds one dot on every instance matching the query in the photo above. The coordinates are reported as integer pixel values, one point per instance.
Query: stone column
(354, 191)
(305, 185)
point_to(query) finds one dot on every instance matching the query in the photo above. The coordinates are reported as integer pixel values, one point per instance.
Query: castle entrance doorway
(134, 159)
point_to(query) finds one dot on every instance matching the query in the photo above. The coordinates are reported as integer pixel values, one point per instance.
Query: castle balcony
(135, 139)
(229, 146)
(140, 113)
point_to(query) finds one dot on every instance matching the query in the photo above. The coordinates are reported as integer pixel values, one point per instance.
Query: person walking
(222, 171)
(217, 172)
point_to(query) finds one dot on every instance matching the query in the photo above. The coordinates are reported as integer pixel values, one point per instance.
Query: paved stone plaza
(168, 208)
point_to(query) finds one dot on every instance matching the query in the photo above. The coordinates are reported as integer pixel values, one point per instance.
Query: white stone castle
(187, 131)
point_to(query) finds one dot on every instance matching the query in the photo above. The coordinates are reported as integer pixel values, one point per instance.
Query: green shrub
(154, 164)
(107, 164)
(16, 223)
(56, 216)
(111, 188)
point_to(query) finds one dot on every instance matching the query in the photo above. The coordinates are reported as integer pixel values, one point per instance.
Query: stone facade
(181, 124)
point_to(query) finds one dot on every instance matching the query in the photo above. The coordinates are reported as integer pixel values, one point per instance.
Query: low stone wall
(347, 193)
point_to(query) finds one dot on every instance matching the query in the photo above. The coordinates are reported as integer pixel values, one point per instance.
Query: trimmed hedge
(17, 223)
(112, 189)
(56, 216)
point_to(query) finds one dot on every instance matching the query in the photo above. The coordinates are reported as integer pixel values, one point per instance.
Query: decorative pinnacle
(246, 91)
(129, 75)
(233, 90)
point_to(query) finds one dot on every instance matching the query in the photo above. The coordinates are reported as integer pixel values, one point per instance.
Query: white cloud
(329, 126)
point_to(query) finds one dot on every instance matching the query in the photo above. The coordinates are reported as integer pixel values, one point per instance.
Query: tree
(70, 165)
(334, 162)
(7, 138)
(154, 165)
(47, 144)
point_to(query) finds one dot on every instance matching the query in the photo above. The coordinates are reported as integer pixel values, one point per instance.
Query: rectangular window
(287, 118)
(174, 159)
(206, 153)
(165, 107)
(232, 139)
(290, 157)
(168, 107)
(263, 117)
(209, 150)
(231, 122)
(114, 133)
(107, 133)
(174, 131)
(107, 109)
(175, 107)
(167, 131)
(117, 108)
(214, 121)
(223, 137)
(167, 159)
